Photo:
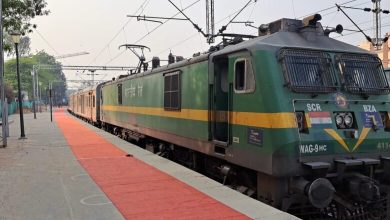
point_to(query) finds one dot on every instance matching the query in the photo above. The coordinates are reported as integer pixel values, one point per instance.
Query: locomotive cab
(310, 114)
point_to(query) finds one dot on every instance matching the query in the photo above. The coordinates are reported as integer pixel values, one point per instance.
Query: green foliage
(45, 76)
(17, 15)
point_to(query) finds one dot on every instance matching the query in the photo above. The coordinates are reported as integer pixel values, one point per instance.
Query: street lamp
(16, 39)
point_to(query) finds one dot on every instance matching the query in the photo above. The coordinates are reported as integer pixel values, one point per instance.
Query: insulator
(155, 62)
(171, 58)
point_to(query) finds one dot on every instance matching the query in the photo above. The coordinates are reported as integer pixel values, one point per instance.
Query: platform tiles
(145, 186)
(40, 178)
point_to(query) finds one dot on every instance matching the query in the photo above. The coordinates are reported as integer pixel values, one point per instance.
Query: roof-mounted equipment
(171, 58)
(141, 57)
(179, 58)
(155, 62)
(282, 25)
(308, 25)
(311, 20)
(338, 29)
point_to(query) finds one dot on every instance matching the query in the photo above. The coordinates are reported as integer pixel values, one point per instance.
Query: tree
(45, 76)
(17, 15)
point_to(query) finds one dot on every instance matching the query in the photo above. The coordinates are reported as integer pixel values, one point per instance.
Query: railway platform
(69, 169)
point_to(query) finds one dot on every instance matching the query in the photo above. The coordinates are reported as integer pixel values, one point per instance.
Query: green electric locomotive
(295, 118)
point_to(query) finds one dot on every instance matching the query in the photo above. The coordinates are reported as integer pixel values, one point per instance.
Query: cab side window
(244, 79)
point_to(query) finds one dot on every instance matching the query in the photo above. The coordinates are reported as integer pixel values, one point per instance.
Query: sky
(99, 27)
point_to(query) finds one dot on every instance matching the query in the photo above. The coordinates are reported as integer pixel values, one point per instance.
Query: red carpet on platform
(138, 190)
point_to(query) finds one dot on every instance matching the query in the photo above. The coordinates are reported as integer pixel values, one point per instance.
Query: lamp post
(51, 101)
(34, 95)
(16, 40)
(40, 96)
(4, 124)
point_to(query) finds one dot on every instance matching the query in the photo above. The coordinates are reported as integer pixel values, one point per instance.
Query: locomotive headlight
(339, 120)
(345, 120)
(348, 120)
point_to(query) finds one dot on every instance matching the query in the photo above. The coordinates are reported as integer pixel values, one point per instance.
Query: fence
(14, 106)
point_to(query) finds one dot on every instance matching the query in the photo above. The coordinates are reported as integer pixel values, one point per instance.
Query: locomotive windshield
(362, 74)
(308, 71)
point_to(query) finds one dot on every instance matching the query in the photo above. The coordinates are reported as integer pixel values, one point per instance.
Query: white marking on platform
(84, 201)
(77, 176)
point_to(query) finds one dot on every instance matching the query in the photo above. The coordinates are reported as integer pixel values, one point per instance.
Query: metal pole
(37, 90)
(54, 95)
(34, 95)
(377, 24)
(3, 101)
(5, 118)
(40, 98)
(22, 135)
(51, 103)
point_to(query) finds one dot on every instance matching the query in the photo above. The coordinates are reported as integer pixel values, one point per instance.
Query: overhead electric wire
(253, 9)
(337, 12)
(326, 9)
(329, 13)
(189, 19)
(141, 9)
(293, 7)
(376, 44)
(368, 21)
(47, 42)
(353, 22)
(366, 29)
(154, 29)
(223, 28)
(51, 47)
(196, 34)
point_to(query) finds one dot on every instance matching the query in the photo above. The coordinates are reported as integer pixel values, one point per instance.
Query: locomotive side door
(233, 78)
(220, 101)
